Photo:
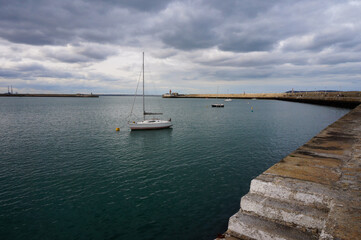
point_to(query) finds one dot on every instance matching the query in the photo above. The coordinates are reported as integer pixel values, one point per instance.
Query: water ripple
(66, 174)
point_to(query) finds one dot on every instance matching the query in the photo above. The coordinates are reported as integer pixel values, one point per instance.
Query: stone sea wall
(313, 193)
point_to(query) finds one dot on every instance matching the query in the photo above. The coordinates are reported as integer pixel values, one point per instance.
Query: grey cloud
(259, 60)
(191, 36)
(141, 5)
(344, 38)
(67, 57)
(245, 74)
(97, 53)
(79, 53)
(188, 26)
(282, 20)
(33, 71)
(242, 9)
(163, 53)
(8, 73)
(28, 37)
(292, 38)
(338, 58)
(237, 26)
(59, 22)
(247, 44)
(107, 78)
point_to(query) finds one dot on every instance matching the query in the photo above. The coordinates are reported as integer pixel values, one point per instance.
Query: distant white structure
(10, 91)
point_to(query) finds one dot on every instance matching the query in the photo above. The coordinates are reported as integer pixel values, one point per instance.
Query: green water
(65, 173)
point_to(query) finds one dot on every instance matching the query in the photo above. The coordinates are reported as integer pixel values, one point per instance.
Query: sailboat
(228, 99)
(149, 124)
(217, 105)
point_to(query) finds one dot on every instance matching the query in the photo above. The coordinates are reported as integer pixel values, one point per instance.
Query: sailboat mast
(143, 91)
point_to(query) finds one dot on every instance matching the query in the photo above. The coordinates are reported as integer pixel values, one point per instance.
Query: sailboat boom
(150, 113)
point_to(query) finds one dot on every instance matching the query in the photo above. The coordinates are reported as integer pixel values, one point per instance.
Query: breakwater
(313, 193)
(48, 95)
(338, 99)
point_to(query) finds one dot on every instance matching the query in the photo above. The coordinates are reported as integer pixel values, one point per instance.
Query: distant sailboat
(228, 99)
(152, 124)
(217, 105)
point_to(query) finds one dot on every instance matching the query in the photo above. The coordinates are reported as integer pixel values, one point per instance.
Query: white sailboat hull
(150, 125)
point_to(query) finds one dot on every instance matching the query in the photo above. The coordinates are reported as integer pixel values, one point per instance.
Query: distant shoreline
(349, 99)
(129, 95)
(48, 95)
(70, 95)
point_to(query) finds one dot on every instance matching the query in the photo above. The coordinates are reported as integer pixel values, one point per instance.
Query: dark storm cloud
(229, 40)
(191, 25)
(28, 37)
(237, 26)
(31, 22)
(59, 22)
(186, 28)
(225, 24)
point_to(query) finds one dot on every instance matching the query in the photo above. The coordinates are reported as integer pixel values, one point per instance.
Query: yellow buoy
(117, 129)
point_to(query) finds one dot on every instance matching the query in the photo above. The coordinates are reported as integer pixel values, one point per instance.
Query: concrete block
(290, 213)
(288, 189)
(244, 226)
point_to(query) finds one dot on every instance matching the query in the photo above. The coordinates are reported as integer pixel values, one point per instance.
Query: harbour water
(65, 173)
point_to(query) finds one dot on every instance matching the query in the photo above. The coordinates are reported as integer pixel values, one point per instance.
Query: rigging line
(135, 95)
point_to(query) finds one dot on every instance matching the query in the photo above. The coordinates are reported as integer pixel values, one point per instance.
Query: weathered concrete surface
(313, 193)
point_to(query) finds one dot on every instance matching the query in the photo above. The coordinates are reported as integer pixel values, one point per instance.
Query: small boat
(146, 124)
(218, 105)
(228, 99)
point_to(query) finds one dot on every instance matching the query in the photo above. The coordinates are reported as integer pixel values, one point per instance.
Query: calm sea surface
(65, 173)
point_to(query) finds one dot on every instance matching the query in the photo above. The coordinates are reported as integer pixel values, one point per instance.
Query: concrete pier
(339, 99)
(313, 193)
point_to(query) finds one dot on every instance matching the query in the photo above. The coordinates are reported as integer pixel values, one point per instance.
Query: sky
(198, 46)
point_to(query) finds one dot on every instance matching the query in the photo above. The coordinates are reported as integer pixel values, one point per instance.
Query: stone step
(246, 226)
(288, 189)
(290, 213)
